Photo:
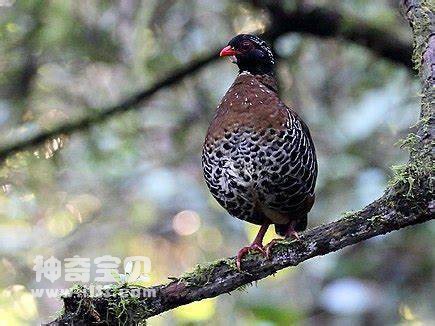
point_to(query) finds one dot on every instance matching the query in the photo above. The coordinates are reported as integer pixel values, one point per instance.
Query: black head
(250, 53)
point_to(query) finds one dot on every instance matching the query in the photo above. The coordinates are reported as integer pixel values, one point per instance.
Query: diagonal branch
(323, 22)
(128, 104)
(220, 277)
(409, 201)
(318, 22)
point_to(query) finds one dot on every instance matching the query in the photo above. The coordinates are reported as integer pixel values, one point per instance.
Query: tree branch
(323, 22)
(408, 201)
(128, 104)
(221, 277)
(316, 21)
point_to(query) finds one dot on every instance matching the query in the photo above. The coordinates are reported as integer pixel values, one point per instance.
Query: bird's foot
(245, 250)
(269, 246)
(292, 233)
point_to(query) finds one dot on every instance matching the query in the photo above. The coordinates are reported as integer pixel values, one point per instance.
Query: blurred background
(133, 185)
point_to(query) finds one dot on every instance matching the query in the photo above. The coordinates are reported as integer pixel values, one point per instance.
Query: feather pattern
(258, 158)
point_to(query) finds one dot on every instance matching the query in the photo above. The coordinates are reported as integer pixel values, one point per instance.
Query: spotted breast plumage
(258, 158)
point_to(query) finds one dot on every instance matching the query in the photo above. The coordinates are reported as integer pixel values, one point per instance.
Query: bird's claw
(294, 234)
(269, 246)
(245, 250)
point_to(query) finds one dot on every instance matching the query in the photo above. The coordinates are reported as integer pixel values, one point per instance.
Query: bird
(258, 157)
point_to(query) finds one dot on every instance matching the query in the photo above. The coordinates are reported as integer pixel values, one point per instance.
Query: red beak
(227, 51)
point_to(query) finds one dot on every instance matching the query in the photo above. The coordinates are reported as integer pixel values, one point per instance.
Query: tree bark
(408, 201)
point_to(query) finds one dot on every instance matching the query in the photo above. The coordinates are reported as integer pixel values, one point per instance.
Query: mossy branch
(391, 212)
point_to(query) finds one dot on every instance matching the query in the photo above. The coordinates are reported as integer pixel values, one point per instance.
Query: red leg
(291, 231)
(257, 245)
(269, 247)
